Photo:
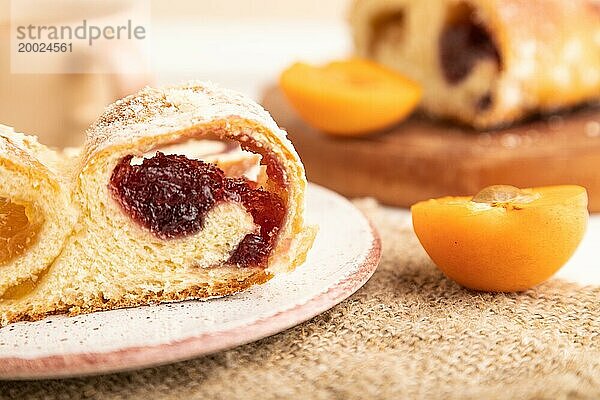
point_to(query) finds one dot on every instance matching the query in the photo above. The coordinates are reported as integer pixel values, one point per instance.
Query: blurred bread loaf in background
(487, 63)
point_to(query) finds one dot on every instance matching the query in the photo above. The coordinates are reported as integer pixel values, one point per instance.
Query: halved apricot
(19, 227)
(350, 97)
(503, 239)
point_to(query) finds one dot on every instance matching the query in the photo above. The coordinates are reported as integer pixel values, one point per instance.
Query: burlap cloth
(409, 333)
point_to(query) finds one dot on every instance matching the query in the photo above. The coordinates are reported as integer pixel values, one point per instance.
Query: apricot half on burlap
(503, 239)
(350, 97)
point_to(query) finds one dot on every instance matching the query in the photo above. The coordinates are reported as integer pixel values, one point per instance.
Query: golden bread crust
(140, 299)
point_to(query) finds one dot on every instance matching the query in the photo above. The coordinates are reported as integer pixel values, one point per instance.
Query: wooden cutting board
(421, 159)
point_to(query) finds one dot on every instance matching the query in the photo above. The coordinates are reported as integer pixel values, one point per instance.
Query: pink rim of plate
(132, 358)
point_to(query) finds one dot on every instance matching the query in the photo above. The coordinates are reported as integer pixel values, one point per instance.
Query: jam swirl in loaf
(170, 195)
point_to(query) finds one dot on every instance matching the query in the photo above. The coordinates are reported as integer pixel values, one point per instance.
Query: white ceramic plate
(345, 254)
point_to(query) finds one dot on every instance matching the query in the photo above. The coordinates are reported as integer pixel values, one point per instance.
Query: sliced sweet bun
(157, 226)
(35, 212)
(487, 63)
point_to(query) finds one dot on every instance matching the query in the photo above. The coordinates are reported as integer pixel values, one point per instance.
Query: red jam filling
(462, 44)
(170, 195)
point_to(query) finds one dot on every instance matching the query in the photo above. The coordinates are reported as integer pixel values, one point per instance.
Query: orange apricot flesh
(19, 227)
(503, 239)
(351, 97)
(19, 291)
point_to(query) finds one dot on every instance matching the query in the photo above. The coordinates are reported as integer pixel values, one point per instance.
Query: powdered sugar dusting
(154, 112)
